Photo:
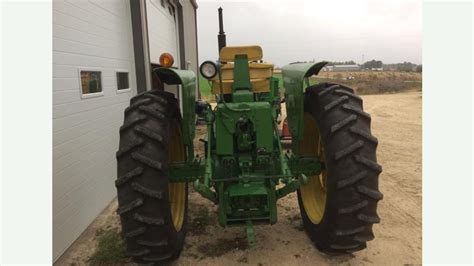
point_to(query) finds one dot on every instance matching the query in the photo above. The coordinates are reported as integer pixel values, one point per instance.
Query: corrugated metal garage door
(92, 52)
(162, 19)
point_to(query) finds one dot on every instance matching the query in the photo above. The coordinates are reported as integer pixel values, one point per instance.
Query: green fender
(187, 79)
(294, 76)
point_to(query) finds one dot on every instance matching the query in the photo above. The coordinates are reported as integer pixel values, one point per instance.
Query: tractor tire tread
(137, 104)
(130, 124)
(152, 243)
(348, 94)
(345, 247)
(335, 103)
(149, 133)
(146, 191)
(157, 258)
(356, 111)
(130, 206)
(352, 231)
(354, 207)
(128, 176)
(350, 149)
(326, 90)
(142, 179)
(369, 163)
(375, 194)
(157, 114)
(132, 145)
(362, 238)
(342, 123)
(149, 220)
(138, 253)
(351, 180)
(147, 161)
(374, 219)
(364, 135)
(134, 233)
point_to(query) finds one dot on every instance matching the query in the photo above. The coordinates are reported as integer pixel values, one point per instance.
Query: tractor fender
(294, 75)
(187, 80)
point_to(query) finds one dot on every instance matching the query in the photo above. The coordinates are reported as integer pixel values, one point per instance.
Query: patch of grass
(364, 82)
(375, 85)
(280, 79)
(204, 86)
(110, 248)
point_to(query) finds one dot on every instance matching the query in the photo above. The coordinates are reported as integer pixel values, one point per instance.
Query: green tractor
(331, 161)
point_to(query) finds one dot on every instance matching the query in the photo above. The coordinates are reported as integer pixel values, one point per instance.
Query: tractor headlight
(208, 69)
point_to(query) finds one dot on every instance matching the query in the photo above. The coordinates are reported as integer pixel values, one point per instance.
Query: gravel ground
(396, 122)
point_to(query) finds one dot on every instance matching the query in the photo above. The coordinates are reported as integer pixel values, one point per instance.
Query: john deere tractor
(331, 162)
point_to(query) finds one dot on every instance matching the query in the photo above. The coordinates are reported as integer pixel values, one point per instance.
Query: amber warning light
(166, 60)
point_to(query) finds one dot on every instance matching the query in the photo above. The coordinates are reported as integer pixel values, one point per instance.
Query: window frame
(129, 89)
(94, 94)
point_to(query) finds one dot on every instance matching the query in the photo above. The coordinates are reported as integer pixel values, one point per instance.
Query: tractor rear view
(331, 163)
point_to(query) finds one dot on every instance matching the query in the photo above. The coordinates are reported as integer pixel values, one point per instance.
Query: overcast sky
(333, 30)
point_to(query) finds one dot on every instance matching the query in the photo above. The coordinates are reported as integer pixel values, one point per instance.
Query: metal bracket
(307, 165)
(292, 185)
(250, 233)
(186, 171)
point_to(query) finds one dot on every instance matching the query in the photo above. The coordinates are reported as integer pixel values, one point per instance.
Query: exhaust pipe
(221, 36)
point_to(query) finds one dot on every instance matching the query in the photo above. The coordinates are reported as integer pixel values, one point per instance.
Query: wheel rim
(177, 191)
(313, 194)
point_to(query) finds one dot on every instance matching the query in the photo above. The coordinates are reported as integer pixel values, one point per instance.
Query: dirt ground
(397, 123)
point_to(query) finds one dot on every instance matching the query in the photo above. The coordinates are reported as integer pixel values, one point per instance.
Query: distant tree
(332, 63)
(419, 68)
(372, 64)
(406, 67)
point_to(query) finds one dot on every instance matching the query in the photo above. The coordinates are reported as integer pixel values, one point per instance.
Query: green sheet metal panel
(259, 113)
(293, 82)
(187, 79)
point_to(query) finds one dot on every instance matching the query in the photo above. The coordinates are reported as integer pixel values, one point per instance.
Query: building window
(122, 81)
(91, 82)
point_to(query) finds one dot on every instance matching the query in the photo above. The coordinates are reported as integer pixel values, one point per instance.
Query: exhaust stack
(221, 36)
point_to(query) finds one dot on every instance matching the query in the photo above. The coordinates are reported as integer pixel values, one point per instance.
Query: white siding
(94, 34)
(190, 38)
(162, 31)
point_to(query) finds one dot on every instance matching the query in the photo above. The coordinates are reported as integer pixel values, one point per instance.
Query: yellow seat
(253, 52)
(258, 85)
(257, 71)
(260, 73)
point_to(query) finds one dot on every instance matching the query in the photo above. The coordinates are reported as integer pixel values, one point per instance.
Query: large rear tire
(338, 207)
(153, 212)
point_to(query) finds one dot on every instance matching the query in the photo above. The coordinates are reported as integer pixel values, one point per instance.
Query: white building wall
(162, 30)
(95, 35)
(190, 37)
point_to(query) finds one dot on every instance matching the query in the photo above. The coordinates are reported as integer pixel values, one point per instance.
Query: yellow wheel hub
(313, 194)
(177, 191)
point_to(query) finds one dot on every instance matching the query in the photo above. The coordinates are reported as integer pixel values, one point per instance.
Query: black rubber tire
(142, 182)
(352, 170)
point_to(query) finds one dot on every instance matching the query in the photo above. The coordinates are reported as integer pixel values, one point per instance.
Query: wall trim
(140, 45)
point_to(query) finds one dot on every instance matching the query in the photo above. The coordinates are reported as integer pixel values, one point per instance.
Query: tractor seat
(260, 73)
(253, 52)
